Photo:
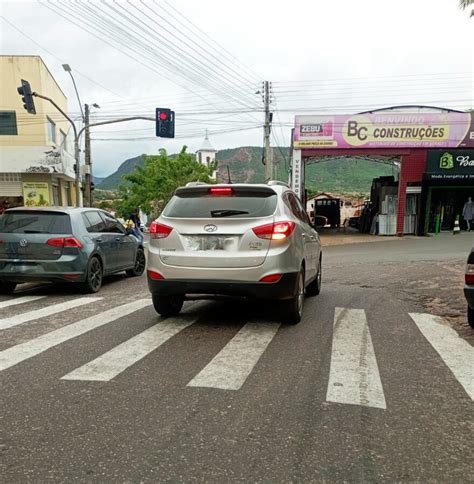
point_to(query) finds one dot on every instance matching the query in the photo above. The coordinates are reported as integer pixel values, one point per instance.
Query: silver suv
(238, 240)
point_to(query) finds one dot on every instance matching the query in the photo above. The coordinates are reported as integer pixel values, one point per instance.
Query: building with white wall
(207, 154)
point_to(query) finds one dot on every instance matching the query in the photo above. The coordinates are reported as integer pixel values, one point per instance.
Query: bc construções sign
(385, 130)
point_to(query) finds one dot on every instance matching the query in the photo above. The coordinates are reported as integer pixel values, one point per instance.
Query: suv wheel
(94, 276)
(139, 266)
(314, 288)
(293, 308)
(7, 287)
(470, 316)
(167, 305)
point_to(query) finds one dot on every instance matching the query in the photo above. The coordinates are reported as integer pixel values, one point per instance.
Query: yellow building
(36, 150)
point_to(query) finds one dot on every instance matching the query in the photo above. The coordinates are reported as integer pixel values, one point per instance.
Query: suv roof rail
(278, 182)
(195, 184)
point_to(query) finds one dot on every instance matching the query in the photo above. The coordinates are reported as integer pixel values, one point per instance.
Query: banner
(450, 165)
(36, 194)
(385, 130)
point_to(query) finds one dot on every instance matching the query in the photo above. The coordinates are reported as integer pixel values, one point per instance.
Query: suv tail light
(155, 275)
(469, 274)
(65, 242)
(159, 231)
(221, 191)
(271, 278)
(275, 231)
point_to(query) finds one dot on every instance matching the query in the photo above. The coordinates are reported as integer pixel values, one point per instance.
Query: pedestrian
(132, 223)
(468, 213)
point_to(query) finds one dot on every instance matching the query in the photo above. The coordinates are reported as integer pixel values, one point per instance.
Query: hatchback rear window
(193, 204)
(30, 222)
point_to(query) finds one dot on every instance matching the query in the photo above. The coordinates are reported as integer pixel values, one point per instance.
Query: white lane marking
(118, 359)
(47, 311)
(457, 354)
(19, 300)
(16, 354)
(233, 364)
(354, 375)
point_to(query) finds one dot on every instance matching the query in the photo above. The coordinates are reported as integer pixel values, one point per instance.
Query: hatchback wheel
(167, 305)
(7, 287)
(293, 308)
(314, 288)
(139, 266)
(470, 316)
(94, 276)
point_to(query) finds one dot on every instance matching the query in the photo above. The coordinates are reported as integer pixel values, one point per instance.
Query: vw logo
(23, 243)
(210, 228)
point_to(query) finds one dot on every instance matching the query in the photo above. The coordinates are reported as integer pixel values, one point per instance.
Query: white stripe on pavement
(457, 354)
(354, 376)
(16, 354)
(115, 361)
(234, 363)
(19, 300)
(47, 311)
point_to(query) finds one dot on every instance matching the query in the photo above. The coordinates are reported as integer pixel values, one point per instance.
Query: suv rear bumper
(469, 293)
(283, 289)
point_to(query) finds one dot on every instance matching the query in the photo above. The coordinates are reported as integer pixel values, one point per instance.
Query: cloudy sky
(207, 59)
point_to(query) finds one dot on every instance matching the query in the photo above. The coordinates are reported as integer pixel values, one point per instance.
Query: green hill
(245, 165)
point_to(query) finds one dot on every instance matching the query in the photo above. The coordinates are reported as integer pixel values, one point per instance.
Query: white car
(239, 240)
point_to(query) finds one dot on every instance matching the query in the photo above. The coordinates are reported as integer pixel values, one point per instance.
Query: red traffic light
(163, 116)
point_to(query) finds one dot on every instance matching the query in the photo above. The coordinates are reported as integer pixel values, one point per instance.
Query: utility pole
(87, 158)
(267, 131)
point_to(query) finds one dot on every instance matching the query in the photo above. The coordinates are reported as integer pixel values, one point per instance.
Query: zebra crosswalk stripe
(354, 376)
(456, 352)
(19, 300)
(234, 363)
(23, 351)
(118, 359)
(47, 311)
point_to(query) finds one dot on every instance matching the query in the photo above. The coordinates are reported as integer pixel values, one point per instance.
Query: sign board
(36, 194)
(450, 165)
(296, 173)
(385, 130)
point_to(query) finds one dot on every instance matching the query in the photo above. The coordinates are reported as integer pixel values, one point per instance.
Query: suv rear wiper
(35, 232)
(227, 213)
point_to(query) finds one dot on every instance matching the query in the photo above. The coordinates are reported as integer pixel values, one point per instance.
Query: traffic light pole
(77, 136)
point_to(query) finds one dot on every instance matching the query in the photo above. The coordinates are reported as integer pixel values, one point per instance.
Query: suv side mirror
(128, 230)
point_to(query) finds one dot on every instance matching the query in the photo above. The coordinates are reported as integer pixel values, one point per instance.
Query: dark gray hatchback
(78, 245)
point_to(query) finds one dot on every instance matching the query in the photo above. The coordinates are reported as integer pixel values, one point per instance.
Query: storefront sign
(450, 165)
(36, 194)
(385, 130)
(296, 175)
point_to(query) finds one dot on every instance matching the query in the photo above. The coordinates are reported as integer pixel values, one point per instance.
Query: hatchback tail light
(275, 231)
(469, 277)
(64, 242)
(159, 231)
(221, 191)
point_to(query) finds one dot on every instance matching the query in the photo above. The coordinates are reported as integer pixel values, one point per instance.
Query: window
(208, 161)
(51, 130)
(63, 140)
(31, 222)
(93, 222)
(67, 193)
(111, 224)
(56, 195)
(8, 123)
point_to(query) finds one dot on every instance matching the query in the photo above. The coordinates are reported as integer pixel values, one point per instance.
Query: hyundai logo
(23, 243)
(210, 228)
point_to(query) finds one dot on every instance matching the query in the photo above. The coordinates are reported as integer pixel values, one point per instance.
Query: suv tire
(293, 308)
(167, 305)
(470, 316)
(94, 276)
(139, 266)
(314, 288)
(7, 287)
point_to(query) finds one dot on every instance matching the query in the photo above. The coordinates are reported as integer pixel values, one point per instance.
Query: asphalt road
(368, 387)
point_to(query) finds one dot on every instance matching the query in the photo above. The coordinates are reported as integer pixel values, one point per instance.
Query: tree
(463, 4)
(153, 184)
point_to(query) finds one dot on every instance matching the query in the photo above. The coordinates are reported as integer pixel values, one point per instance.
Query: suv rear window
(30, 222)
(241, 204)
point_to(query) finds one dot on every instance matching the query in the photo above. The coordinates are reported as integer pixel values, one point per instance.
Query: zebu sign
(385, 130)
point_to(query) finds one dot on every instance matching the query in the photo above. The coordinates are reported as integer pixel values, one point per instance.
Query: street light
(67, 68)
